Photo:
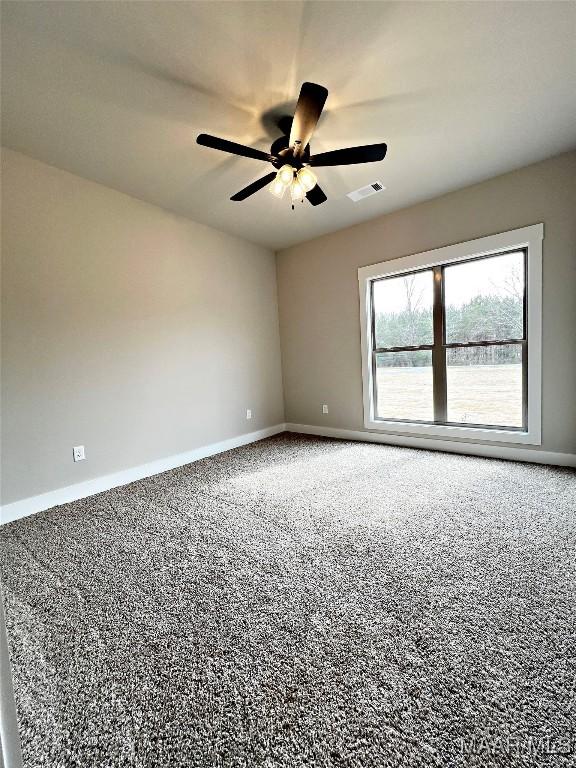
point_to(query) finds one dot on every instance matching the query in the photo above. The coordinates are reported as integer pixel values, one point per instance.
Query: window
(451, 340)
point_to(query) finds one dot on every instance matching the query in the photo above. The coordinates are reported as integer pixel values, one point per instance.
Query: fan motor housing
(283, 154)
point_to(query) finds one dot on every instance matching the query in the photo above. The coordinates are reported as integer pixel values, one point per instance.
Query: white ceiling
(118, 91)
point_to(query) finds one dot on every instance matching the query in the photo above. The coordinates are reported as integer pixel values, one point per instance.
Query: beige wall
(319, 306)
(126, 329)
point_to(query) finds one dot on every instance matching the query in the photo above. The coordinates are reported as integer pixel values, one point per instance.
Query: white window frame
(529, 238)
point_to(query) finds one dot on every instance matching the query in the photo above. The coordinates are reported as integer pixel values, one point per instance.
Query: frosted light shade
(297, 191)
(285, 175)
(277, 188)
(307, 179)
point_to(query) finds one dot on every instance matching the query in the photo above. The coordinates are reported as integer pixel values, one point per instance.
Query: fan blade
(370, 153)
(316, 196)
(254, 187)
(308, 110)
(230, 146)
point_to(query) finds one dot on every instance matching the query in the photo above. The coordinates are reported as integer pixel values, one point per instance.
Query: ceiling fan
(290, 154)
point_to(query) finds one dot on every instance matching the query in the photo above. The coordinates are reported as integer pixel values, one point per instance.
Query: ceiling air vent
(370, 189)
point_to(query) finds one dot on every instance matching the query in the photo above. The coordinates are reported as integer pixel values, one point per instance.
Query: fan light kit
(300, 182)
(290, 154)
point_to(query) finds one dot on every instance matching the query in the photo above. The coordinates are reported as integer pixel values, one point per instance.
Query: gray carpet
(300, 602)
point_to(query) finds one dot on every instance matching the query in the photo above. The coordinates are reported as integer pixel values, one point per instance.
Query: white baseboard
(33, 504)
(450, 446)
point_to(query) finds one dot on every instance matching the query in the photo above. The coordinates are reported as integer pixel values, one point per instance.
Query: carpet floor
(300, 602)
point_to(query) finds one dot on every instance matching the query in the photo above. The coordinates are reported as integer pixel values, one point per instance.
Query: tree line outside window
(482, 318)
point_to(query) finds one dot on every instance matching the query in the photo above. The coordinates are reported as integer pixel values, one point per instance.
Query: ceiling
(118, 91)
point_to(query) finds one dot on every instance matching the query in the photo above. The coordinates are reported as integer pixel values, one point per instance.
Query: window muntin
(476, 376)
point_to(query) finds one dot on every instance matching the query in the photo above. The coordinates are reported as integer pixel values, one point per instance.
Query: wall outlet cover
(324, 408)
(248, 413)
(79, 453)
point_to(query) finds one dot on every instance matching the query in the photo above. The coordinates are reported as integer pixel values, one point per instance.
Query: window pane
(485, 299)
(485, 385)
(403, 310)
(404, 385)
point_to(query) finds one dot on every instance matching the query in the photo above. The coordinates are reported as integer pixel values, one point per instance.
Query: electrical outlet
(79, 453)
(324, 408)
(248, 413)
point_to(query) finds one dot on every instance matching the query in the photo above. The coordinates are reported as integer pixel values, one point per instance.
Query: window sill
(478, 434)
